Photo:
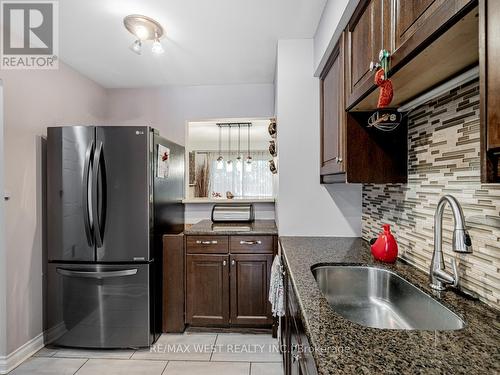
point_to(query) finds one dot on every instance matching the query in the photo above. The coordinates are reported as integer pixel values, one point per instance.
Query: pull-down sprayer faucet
(461, 243)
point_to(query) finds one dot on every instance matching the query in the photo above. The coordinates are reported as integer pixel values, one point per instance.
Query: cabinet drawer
(207, 245)
(252, 244)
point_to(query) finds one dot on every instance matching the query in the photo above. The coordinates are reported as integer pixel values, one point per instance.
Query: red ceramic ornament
(385, 249)
(386, 90)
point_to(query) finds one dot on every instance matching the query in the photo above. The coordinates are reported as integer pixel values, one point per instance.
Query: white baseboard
(21, 354)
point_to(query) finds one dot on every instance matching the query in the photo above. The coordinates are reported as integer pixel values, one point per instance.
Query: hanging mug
(272, 148)
(272, 167)
(272, 128)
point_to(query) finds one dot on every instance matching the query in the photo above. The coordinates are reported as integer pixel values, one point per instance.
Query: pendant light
(220, 159)
(239, 161)
(248, 162)
(229, 164)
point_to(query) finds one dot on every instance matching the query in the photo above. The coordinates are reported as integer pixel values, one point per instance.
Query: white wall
(34, 100)
(304, 206)
(3, 268)
(334, 19)
(169, 109)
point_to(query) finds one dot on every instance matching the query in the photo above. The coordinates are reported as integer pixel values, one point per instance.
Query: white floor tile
(246, 348)
(182, 347)
(121, 367)
(45, 352)
(82, 353)
(49, 366)
(206, 368)
(266, 369)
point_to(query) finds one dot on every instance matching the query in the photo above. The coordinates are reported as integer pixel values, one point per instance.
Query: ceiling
(207, 41)
(204, 135)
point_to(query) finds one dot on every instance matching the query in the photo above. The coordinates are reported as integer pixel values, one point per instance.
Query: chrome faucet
(439, 278)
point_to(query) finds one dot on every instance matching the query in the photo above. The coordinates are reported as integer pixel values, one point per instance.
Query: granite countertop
(349, 348)
(258, 227)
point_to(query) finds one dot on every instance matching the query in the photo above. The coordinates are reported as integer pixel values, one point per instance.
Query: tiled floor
(186, 354)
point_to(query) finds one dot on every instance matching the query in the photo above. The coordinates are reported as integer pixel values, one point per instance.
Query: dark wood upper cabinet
(207, 289)
(489, 44)
(417, 24)
(430, 41)
(410, 16)
(367, 33)
(332, 113)
(350, 151)
(250, 274)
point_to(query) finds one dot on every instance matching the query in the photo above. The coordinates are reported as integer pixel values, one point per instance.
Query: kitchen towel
(276, 290)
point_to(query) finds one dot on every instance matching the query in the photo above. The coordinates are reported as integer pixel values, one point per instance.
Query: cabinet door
(417, 21)
(332, 113)
(250, 275)
(207, 297)
(410, 15)
(367, 33)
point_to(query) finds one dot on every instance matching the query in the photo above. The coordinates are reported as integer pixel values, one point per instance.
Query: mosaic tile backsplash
(443, 146)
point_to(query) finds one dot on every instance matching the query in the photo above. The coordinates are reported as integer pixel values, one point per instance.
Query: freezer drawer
(99, 306)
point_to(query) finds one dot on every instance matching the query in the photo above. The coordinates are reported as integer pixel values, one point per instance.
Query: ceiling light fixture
(144, 28)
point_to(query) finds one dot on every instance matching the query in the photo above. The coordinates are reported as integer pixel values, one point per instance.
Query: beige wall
(34, 100)
(170, 108)
(3, 268)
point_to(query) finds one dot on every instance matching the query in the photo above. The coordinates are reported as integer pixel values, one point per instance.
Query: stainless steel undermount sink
(378, 298)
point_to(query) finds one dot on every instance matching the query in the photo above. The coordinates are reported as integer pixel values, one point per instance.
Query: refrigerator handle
(98, 200)
(85, 188)
(96, 274)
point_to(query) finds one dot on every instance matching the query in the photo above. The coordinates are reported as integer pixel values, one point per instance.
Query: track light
(136, 47)
(144, 29)
(157, 48)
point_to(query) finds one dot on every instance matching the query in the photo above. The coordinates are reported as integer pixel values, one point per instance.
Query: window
(257, 183)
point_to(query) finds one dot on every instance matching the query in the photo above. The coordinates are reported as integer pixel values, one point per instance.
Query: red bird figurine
(386, 91)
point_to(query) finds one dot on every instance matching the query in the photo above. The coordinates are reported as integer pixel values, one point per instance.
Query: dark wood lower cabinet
(207, 297)
(249, 275)
(227, 280)
(297, 354)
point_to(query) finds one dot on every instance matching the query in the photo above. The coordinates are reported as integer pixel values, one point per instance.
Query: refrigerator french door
(101, 289)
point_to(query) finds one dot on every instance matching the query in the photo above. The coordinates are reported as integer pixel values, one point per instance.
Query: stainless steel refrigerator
(112, 192)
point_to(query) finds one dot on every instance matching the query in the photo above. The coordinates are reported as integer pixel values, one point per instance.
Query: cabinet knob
(224, 262)
(233, 262)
